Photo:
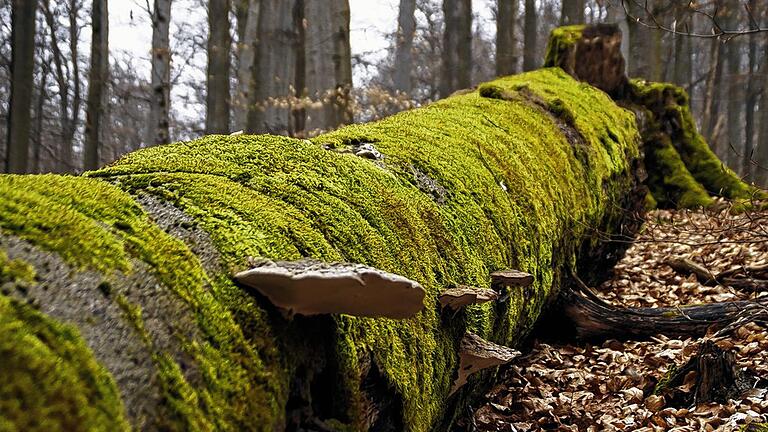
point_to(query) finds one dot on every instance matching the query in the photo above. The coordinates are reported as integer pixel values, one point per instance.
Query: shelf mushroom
(477, 354)
(311, 287)
(511, 278)
(462, 295)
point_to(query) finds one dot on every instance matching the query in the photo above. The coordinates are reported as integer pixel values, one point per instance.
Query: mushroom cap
(310, 287)
(477, 354)
(512, 278)
(460, 296)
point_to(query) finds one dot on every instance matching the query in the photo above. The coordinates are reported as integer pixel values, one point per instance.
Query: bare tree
(457, 46)
(406, 28)
(219, 43)
(530, 34)
(68, 79)
(275, 71)
(572, 12)
(506, 44)
(97, 82)
(160, 102)
(247, 12)
(22, 64)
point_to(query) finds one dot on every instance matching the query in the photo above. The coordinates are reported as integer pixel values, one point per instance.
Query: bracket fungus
(512, 278)
(310, 287)
(462, 295)
(477, 354)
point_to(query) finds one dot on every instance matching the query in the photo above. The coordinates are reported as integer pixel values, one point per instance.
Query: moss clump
(560, 41)
(670, 112)
(95, 226)
(669, 181)
(519, 194)
(50, 380)
(15, 271)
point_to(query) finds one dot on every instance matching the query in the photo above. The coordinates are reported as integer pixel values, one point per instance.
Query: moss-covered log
(134, 262)
(683, 171)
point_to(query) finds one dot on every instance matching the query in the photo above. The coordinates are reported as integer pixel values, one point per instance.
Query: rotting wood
(592, 318)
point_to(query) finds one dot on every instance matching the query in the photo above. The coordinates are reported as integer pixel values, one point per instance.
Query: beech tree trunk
(328, 63)
(572, 12)
(530, 33)
(160, 96)
(20, 104)
(406, 28)
(97, 84)
(275, 69)
(217, 90)
(457, 46)
(506, 43)
(247, 46)
(762, 152)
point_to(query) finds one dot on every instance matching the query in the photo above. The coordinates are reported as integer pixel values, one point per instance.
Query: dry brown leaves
(610, 387)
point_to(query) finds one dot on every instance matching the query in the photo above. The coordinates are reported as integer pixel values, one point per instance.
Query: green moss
(96, 226)
(669, 181)
(519, 194)
(15, 271)
(50, 380)
(669, 107)
(560, 39)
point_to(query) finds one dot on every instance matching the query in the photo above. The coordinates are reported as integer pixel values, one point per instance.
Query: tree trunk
(132, 277)
(328, 63)
(97, 83)
(762, 143)
(247, 46)
(160, 96)
(506, 44)
(457, 46)
(750, 103)
(406, 28)
(20, 104)
(217, 99)
(530, 33)
(276, 68)
(572, 12)
(42, 97)
(734, 95)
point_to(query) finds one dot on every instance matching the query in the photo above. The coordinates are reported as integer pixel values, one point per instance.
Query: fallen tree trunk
(123, 278)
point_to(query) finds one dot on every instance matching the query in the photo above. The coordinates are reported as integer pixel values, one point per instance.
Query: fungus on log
(511, 278)
(457, 298)
(311, 287)
(477, 354)
(133, 262)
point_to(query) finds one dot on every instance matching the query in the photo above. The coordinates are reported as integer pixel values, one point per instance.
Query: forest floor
(610, 386)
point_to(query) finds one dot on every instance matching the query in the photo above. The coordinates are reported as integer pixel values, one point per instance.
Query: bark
(22, 65)
(506, 44)
(328, 64)
(762, 143)
(750, 104)
(69, 110)
(275, 70)
(217, 90)
(711, 99)
(530, 33)
(247, 46)
(572, 12)
(406, 28)
(160, 96)
(734, 95)
(97, 83)
(590, 318)
(456, 64)
(42, 97)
